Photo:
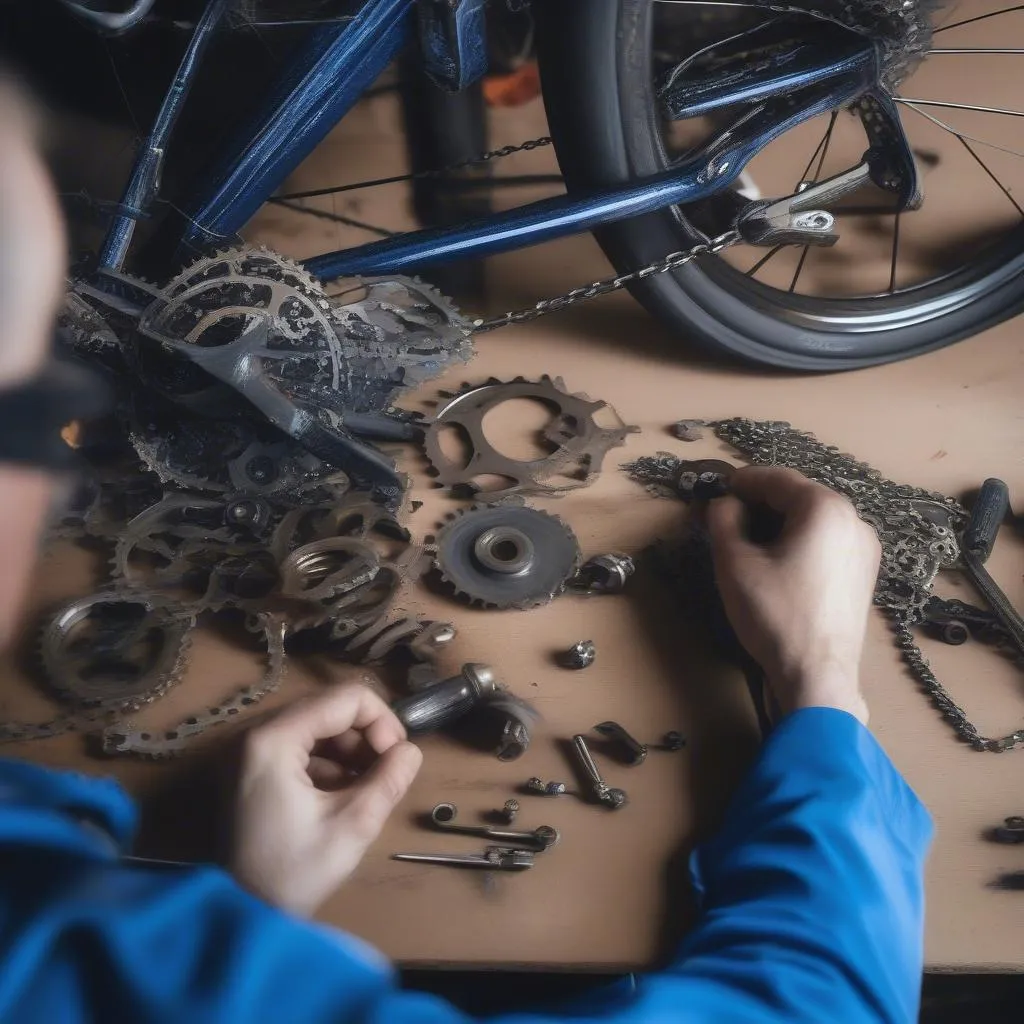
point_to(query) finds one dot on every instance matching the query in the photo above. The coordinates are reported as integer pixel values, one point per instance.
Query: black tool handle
(443, 703)
(987, 515)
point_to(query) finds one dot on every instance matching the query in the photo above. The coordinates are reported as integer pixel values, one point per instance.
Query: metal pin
(636, 752)
(541, 838)
(494, 858)
(608, 795)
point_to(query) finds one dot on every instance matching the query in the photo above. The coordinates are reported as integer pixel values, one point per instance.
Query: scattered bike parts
(436, 706)
(603, 574)
(634, 752)
(578, 443)
(494, 858)
(581, 655)
(543, 837)
(536, 785)
(610, 796)
(506, 556)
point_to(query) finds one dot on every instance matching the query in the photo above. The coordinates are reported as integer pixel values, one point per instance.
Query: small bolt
(261, 469)
(580, 655)
(510, 810)
(673, 741)
(536, 785)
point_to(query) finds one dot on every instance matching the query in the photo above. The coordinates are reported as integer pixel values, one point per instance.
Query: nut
(580, 655)
(509, 811)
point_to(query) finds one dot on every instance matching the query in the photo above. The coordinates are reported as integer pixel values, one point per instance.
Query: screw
(554, 788)
(261, 469)
(536, 785)
(610, 797)
(509, 811)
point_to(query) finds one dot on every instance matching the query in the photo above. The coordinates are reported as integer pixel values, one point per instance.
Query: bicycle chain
(607, 285)
(917, 530)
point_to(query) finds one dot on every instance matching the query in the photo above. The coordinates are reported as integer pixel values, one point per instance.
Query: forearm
(812, 893)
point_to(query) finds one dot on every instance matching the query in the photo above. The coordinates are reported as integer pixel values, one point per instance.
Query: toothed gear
(162, 743)
(114, 652)
(249, 329)
(578, 443)
(506, 556)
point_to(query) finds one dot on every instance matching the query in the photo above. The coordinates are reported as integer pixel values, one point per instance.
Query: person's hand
(318, 783)
(798, 604)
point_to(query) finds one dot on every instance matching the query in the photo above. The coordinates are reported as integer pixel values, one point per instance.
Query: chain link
(606, 285)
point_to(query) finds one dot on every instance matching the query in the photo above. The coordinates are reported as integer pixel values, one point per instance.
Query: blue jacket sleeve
(811, 893)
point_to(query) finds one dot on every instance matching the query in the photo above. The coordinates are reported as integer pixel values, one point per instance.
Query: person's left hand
(318, 783)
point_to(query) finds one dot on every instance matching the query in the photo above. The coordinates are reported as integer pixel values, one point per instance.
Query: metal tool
(608, 795)
(494, 858)
(635, 751)
(987, 515)
(541, 838)
(436, 706)
(509, 811)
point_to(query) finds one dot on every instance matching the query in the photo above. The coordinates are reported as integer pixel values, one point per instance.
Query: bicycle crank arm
(711, 169)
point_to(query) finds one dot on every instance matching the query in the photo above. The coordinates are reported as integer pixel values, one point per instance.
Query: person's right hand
(318, 783)
(798, 604)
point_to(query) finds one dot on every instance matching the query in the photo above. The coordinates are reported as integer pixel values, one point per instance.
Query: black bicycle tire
(594, 59)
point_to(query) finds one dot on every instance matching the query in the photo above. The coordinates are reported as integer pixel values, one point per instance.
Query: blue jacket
(811, 910)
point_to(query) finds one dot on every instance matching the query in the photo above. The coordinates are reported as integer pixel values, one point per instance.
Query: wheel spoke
(959, 106)
(895, 252)
(952, 131)
(822, 149)
(764, 259)
(980, 17)
(985, 167)
(799, 268)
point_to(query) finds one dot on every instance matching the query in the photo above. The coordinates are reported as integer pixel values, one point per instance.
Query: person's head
(32, 264)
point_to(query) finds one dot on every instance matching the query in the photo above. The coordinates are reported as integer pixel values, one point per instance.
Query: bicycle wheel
(947, 271)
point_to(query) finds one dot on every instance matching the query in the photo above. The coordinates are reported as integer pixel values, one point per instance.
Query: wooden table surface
(613, 893)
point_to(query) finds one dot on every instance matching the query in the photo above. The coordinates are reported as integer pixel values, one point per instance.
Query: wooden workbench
(612, 894)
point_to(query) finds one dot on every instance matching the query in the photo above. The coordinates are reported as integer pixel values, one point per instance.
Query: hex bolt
(509, 811)
(554, 788)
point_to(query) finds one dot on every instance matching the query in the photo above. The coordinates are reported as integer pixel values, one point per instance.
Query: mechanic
(811, 893)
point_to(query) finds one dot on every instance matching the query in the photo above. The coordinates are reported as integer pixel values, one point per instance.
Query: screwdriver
(987, 515)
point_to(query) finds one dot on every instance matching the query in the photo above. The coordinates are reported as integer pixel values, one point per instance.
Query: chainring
(578, 443)
(506, 556)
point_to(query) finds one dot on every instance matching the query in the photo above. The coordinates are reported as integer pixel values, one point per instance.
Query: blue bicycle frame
(339, 63)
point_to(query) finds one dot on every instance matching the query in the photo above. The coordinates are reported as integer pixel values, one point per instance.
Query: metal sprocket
(506, 556)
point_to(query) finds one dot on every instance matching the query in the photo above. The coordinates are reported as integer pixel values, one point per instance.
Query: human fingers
(298, 728)
(784, 490)
(368, 803)
(725, 518)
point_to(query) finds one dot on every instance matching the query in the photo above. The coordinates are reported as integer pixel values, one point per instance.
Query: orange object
(514, 89)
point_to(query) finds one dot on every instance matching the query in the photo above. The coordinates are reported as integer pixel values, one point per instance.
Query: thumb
(371, 800)
(725, 518)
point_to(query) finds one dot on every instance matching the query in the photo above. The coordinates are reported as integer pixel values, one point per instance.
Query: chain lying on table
(917, 530)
